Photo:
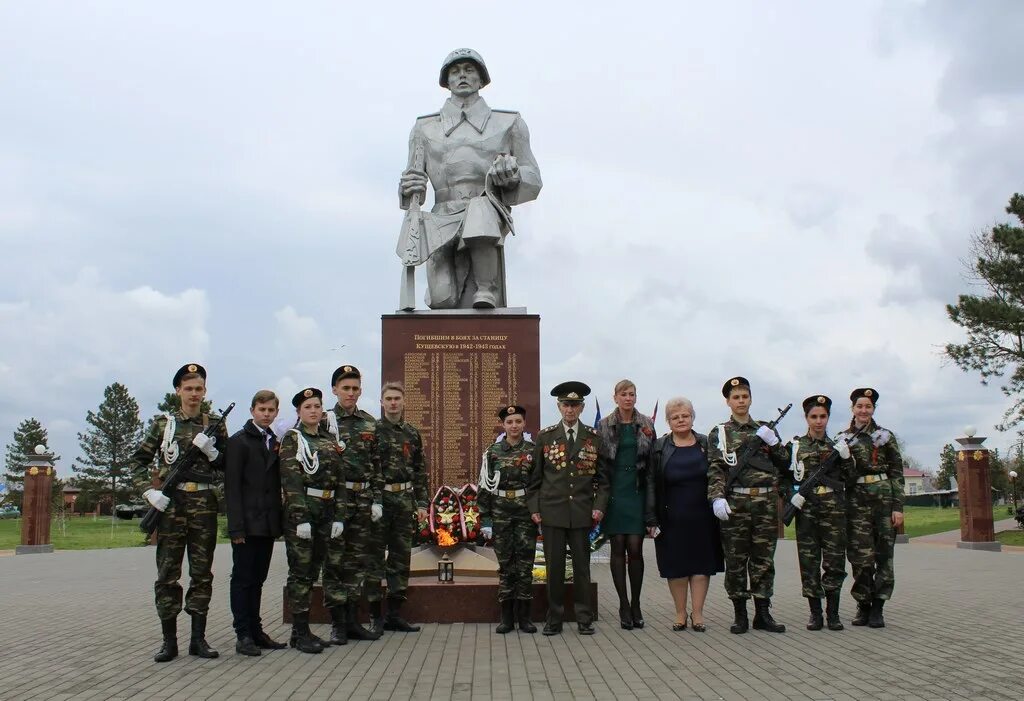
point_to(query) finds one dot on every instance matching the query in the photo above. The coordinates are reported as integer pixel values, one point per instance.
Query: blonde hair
(393, 386)
(679, 403)
(623, 385)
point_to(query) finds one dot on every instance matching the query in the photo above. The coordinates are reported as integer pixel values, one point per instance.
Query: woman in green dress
(627, 436)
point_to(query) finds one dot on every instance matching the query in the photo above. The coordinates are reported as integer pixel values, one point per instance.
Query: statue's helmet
(464, 55)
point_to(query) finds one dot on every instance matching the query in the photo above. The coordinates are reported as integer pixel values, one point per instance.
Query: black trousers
(251, 561)
(555, 540)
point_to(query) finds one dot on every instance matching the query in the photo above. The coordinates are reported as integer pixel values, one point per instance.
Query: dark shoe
(377, 618)
(339, 635)
(265, 642)
(302, 639)
(875, 618)
(763, 617)
(197, 646)
(863, 612)
(552, 629)
(740, 622)
(679, 626)
(525, 607)
(247, 646)
(394, 621)
(507, 620)
(625, 617)
(700, 627)
(638, 618)
(352, 627)
(832, 610)
(586, 628)
(816, 621)
(169, 650)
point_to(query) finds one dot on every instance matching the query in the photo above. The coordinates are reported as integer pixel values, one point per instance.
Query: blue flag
(597, 419)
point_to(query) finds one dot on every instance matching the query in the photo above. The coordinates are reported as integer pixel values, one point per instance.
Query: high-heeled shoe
(697, 627)
(638, 617)
(625, 617)
(679, 626)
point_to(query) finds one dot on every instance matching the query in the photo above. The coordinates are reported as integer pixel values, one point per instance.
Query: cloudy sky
(779, 190)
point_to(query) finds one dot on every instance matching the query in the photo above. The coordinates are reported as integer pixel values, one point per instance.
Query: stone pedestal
(459, 367)
(977, 530)
(36, 506)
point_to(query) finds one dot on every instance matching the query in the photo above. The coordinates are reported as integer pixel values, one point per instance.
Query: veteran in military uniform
(479, 162)
(504, 475)
(314, 513)
(355, 433)
(821, 519)
(567, 494)
(189, 515)
(404, 471)
(874, 508)
(747, 505)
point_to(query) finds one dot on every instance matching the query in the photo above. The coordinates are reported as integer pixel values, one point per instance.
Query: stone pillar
(977, 531)
(36, 505)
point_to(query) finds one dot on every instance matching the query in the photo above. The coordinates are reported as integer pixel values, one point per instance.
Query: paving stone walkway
(81, 625)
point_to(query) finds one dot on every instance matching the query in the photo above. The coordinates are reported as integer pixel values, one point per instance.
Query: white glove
(487, 532)
(843, 449)
(797, 500)
(158, 499)
(336, 529)
(880, 437)
(304, 531)
(205, 444)
(768, 436)
(721, 508)
(376, 512)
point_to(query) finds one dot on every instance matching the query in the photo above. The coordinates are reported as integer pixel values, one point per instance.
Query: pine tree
(107, 446)
(27, 436)
(947, 467)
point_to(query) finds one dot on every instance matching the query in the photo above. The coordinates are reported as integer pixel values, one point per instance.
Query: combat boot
(815, 622)
(352, 627)
(875, 619)
(198, 646)
(832, 610)
(525, 608)
(169, 650)
(339, 635)
(863, 611)
(741, 623)
(302, 639)
(763, 617)
(377, 617)
(394, 620)
(507, 622)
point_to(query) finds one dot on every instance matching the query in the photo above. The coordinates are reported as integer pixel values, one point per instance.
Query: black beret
(864, 392)
(188, 369)
(734, 382)
(817, 400)
(507, 411)
(304, 394)
(571, 391)
(345, 372)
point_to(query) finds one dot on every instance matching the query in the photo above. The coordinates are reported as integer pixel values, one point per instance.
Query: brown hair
(623, 385)
(392, 386)
(264, 396)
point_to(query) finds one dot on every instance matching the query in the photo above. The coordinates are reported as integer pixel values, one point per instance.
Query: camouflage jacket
(360, 456)
(401, 457)
(566, 485)
(295, 480)
(769, 466)
(514, 463)
(876, 451)
(809, 452)
(185, 429)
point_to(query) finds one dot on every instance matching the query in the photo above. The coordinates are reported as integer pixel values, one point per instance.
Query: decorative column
(977, 531)
(36, 504)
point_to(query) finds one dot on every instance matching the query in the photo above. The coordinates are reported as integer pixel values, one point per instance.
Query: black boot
(339, 636)
(197, 646)
(247, 646)
(875, 619)
(508, 622)
(394, 620)
(763, 617)
(832, 610)
(741, 623)
(377, 617)
(352, 627)
(302, 639)
(815, 622)
(863, 611)
(169, 650)
(525, 607)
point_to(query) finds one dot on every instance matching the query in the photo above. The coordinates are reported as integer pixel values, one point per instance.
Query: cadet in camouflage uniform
(314, 515)
(405, 501)
(821, 519)
(874, 502)
(189, 515)
(505, 516)
(749, 509)
(356, 435)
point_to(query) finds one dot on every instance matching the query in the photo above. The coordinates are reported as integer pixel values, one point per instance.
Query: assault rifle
(180, 472)
(750, 448)
(819, 477)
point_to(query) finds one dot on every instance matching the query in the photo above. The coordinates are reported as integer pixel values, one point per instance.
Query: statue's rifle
(410, 242)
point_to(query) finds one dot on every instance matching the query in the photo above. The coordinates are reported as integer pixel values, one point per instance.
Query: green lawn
(1011, 537)
(925, 520)
(87, 533)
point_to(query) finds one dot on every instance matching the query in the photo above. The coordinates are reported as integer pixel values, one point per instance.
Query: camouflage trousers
(358, 550)
(821, 544)
(748, 539)
(871, 539)
(306, 559)
(393, 533)
(515, 544)
(189, 524)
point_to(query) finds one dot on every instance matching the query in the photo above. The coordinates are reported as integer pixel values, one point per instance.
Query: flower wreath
(446, 514)
(469, 494)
